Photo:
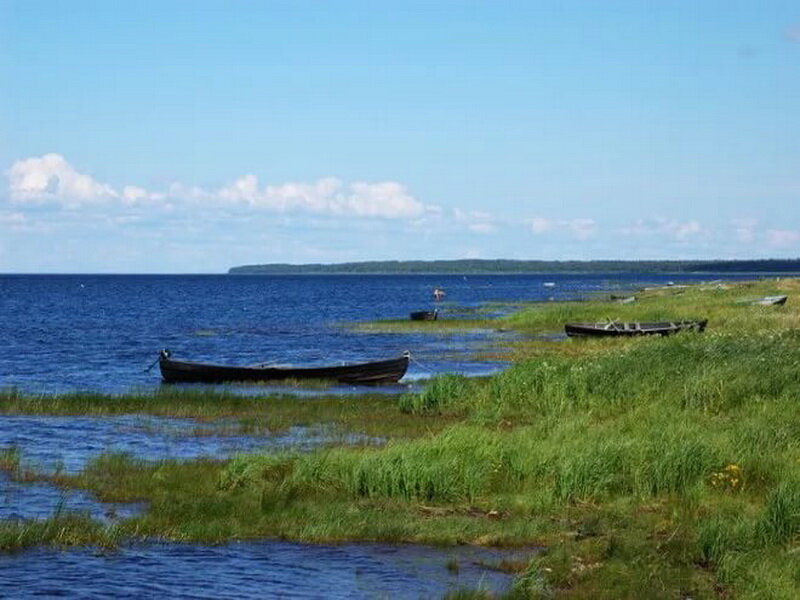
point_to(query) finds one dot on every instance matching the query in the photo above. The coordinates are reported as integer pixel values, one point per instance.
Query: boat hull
(632, 329)
(372, 373)
(423, 315)
(772, 301)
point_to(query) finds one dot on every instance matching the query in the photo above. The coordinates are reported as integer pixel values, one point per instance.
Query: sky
(189, 137)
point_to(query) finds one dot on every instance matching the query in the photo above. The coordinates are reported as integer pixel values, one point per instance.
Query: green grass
(438, 396)
(372, 414)
(650, 467)
(61, 530)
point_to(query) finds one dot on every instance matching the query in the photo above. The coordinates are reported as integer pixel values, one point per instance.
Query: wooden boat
(438, 293)
(370, 373)
(424, 315)
(617, 328)
(623, 299)
(772, 301)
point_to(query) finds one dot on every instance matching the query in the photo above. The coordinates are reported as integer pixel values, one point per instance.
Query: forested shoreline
(505, 266)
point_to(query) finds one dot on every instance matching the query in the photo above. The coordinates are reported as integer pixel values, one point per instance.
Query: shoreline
(648, 448)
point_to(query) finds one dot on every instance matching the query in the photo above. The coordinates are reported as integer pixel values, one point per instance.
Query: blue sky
(190, 137)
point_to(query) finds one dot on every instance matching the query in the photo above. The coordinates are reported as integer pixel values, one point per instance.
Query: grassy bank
(649, 467)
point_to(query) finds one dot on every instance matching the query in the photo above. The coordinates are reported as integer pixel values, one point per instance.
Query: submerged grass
(651, 468)
(372, 414)
(61, 530)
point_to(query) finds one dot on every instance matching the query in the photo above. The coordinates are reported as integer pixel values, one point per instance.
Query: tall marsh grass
(457, 465)
(705, 372)
(439, 395)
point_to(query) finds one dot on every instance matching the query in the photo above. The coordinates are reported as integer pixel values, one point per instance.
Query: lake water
(64, 333)
(67, 333)
(65, 444)
(252, 570)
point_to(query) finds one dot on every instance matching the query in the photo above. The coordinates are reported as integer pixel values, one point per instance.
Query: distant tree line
(475, 266)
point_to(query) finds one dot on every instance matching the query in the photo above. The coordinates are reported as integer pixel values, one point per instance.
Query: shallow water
(49, 443)
(38, 500)
(251, 570)
(66, 444)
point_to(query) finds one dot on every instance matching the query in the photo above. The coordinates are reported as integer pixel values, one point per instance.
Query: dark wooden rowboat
(424, 315)
(383, 371)
(616, 328)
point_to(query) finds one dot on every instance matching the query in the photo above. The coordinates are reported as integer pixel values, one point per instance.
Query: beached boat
(772, 301)
(424, 315)
(617, 328)
(383, 371)
(623, 299)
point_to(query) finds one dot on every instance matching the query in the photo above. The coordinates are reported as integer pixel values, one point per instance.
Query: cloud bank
(52, 179)
(581, 229)
(59, 216)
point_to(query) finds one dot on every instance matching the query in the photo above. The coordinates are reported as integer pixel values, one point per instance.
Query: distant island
(502, 266)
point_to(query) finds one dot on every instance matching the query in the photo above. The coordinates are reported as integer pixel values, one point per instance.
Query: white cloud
(244, 189)
(581, 229)
(50, 178)
(745, 229)
(387, 199)
(12, 218)
(133, 195)
(477, 221)
(540, 225)
(680, 230)
(783, 237)
(483, 228)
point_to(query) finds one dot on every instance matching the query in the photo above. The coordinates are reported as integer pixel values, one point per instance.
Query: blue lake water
(252, 570)
(40, 500)
(65, 333)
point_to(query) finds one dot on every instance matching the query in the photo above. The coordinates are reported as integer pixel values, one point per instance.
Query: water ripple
(253, 570)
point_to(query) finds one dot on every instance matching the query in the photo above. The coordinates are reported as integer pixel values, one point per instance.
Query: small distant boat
(424, 315)
(617, 328)
(438, 293)
(370, 373)
(772, 300)
(670, 285)
(549, 284)
(623, 299)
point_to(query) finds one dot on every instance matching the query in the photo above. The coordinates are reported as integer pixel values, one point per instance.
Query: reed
(61, 530)
(439, 395)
